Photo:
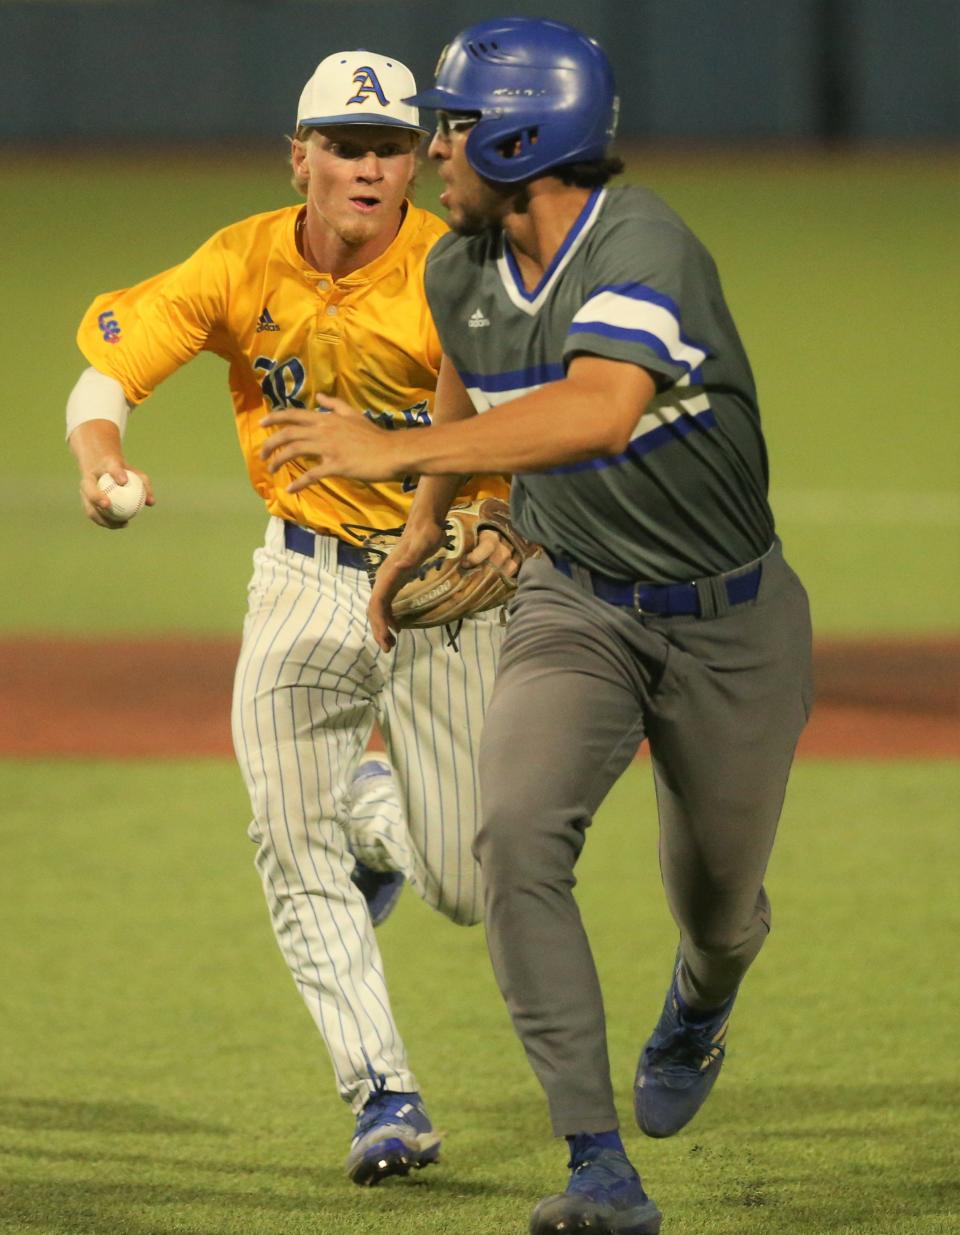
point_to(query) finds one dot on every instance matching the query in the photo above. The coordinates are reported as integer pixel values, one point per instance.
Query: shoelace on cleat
(381, 1107)
(686, 1048)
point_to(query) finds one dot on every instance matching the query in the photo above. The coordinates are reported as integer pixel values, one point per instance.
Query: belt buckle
(638, 609)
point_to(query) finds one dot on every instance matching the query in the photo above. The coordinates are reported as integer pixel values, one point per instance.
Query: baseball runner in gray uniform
(587, 327)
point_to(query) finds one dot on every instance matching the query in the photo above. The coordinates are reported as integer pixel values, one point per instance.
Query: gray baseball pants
(722, 699)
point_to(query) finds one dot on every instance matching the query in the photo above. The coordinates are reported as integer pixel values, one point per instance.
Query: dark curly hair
(589, 175)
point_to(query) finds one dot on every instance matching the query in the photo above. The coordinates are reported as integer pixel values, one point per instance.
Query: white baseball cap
(359, 87)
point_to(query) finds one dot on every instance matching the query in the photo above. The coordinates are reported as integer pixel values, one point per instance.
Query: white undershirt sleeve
(97, 397)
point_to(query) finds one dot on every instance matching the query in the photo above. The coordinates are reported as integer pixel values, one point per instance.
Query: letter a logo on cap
(367, 84)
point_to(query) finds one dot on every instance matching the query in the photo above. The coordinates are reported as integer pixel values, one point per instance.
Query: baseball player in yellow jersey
(327, 299)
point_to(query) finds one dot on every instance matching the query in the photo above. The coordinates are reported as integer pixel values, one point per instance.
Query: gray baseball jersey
(632, 283)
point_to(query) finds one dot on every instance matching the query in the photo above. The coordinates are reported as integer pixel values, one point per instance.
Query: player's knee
(502, 841)
(510, 805)
(465, 915)
(529, 835)
(522, 852)
(456, 891)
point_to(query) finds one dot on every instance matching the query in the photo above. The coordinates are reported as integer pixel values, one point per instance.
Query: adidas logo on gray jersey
(477, 318)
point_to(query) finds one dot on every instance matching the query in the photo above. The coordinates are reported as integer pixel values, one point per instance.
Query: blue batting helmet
(544, 93)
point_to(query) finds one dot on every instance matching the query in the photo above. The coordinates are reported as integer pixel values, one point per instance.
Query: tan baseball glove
(446, 589)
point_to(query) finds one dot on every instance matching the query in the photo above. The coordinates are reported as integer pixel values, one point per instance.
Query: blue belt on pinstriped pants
(302, 540)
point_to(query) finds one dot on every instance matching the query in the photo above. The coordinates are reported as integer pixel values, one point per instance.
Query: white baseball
(125, 500)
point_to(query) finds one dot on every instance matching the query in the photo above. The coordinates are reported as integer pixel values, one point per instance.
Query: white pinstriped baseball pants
(310, 682)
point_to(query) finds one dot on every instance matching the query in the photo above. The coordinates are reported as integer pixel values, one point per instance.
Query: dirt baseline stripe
(170, 698)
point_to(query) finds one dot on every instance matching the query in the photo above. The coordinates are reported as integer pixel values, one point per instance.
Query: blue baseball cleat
(604, 1197)
(393, 1136)
(381, 889)
(678, 1065)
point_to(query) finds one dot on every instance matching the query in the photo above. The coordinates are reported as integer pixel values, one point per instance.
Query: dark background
(808, 70)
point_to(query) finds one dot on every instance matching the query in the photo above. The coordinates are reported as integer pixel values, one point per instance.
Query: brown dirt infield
(170, 698)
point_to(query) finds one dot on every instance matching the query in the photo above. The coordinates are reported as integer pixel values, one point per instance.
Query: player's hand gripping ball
(125, 500)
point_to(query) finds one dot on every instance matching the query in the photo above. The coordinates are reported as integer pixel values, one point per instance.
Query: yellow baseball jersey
(289, 333)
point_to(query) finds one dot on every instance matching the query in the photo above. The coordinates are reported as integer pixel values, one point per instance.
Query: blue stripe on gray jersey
(516, 379)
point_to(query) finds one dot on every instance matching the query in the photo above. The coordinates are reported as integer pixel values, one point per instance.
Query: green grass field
(839, 272)
(160, 1075)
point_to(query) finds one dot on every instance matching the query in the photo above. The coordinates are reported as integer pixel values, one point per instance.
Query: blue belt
(302, 540)
(664, 599)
